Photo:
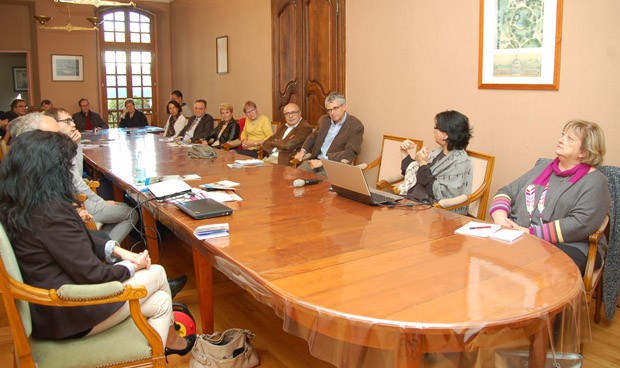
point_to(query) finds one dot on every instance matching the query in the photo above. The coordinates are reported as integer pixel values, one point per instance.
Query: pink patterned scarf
(576, 172)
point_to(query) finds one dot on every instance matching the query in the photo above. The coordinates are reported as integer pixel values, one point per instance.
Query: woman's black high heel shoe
(190, 339)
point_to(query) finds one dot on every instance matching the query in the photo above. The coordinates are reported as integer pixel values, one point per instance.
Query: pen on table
(479, 227)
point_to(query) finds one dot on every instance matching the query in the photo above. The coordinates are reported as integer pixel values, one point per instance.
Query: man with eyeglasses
(86, 119)
(288, 138)
(338, 137)
(117, 218)
(18, 108)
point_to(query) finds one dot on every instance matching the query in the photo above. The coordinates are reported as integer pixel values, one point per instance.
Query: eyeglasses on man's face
(333, 109)
(291, 113)
(66, 121)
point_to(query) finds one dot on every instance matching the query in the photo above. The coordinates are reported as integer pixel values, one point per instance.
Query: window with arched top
(127, 49)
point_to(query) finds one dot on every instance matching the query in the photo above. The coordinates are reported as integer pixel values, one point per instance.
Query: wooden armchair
(389, 174)
(592, 277)
(132, 343)
(274, 127)
(476, 202)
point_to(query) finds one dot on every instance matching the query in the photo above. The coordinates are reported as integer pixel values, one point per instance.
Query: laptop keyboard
(379, 198)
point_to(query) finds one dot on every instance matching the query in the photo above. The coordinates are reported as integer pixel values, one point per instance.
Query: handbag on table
(230, 349)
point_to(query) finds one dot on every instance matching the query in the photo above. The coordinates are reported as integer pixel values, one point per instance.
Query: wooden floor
(236, 308)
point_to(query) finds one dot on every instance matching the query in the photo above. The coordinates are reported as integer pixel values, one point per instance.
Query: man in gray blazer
(338, 137)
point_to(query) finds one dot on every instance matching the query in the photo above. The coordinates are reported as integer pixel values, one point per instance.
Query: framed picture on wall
(67, 68)
(520, 44)
(20, 79)
(221, 52)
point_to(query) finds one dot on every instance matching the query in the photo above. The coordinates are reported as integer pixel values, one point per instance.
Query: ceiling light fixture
(96, 3)
(43, 19)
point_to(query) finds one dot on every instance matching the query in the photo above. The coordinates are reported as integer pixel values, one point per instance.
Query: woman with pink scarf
(565, 201)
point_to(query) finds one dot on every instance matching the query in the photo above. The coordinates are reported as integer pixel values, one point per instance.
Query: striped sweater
(571, 212)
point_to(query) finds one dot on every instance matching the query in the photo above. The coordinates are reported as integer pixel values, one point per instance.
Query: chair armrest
(103, 295)
(233, 144)
(393, 179)
(452, 203)
(295, 162)
(86, 292)
(260, 152)
(456, 202)
(593, 239)
(373, 164)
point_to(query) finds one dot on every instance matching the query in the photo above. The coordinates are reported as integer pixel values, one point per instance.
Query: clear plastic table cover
(347, 340)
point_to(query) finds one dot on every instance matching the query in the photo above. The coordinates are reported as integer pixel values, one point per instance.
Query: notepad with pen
(492, 231)
(477, 229)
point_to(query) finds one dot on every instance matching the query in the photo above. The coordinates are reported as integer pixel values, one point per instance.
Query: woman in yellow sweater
(257, 128)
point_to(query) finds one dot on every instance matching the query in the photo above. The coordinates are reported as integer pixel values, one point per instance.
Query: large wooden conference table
(353, 279)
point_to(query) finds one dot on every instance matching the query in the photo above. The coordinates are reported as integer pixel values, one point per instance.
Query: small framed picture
(20, 79)
(67, 68)
(221, 49)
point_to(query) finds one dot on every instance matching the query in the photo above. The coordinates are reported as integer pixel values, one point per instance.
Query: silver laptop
(349, 181)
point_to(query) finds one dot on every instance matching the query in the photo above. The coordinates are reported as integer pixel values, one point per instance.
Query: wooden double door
(308, 54)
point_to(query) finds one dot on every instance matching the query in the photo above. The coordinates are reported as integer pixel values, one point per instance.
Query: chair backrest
(149, 117)
(482, 167)
(390, 159)
(241, 123)
(10, 269)
(275, 125)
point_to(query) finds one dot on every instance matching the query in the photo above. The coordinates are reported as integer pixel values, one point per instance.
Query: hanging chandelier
(43, 19)
(96, 3)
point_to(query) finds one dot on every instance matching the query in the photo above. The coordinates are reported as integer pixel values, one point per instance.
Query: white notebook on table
(477, 229)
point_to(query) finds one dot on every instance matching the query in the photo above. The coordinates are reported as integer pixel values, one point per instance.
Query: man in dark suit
(338, 137)
(199, 126)
(85, 119)
(288, 138)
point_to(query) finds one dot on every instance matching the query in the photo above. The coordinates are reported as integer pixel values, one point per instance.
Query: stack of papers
(211, 231)
(506, 235)
(247, 163)
(159, 179)
(486, 230)
(220, 185)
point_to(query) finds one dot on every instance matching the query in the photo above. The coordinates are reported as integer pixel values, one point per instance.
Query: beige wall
(421, 57)
(195, 26)
(15, 30)
(46, 43)
(407, 61)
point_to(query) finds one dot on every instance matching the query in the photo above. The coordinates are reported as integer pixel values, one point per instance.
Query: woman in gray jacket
(565, 201)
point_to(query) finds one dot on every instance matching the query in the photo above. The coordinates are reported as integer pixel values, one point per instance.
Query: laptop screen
(348, 177)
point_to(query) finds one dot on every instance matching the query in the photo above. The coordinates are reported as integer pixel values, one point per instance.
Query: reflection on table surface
(342, 274)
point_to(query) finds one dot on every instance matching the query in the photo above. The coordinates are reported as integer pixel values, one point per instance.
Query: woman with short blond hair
(565, 201)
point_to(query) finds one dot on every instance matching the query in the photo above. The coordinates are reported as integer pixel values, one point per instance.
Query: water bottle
(139, 169)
